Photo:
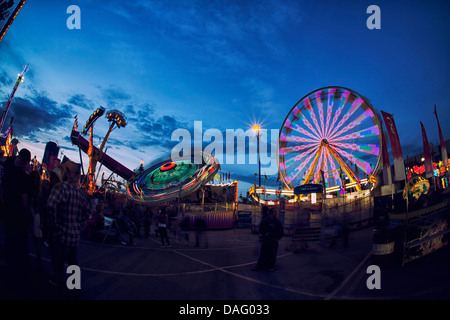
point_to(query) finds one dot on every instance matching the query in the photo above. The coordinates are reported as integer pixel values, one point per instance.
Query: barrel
(383, 246)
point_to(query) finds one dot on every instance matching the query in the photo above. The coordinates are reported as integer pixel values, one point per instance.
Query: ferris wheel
(330, 135)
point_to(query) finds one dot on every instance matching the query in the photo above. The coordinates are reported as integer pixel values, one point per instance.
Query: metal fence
(312, 224)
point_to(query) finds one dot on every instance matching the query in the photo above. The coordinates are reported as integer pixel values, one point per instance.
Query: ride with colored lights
(333, 130)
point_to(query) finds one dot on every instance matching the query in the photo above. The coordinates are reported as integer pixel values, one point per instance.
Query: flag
(399, 165)
(441, 138)
(387, 176)
(426, 154)
(265, 176)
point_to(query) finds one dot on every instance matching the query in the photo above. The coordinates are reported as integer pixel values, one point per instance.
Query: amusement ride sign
(308, 188)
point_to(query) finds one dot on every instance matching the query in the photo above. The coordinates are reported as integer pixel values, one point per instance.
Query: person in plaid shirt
(68, 207)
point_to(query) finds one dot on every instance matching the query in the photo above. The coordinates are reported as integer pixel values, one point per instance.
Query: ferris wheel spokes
(348, 171)
(355, 105)
(364, 133)
(331, 93)
(342, 102)
(286, 150)
(297, 128)
(364, 165)
(365, 148)
(314, 165)
(334, 170)
(307, 104)
(299, 168)
(299, 114)
(299, 157)
(318, 96)
(364, 116)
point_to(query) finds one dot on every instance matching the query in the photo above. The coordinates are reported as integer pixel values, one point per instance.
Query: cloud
(158, 131)
(130, 111)
(81, 101)
(38, 114)
(5, 79)
(114, 95)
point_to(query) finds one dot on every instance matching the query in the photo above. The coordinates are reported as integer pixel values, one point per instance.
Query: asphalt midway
(220, 269)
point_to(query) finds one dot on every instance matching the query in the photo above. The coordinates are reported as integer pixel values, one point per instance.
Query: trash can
(383, 246)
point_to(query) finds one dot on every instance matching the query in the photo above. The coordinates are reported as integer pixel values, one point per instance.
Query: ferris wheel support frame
(345, 167)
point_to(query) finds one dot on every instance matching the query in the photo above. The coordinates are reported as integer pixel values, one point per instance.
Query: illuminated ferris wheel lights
(324, 130)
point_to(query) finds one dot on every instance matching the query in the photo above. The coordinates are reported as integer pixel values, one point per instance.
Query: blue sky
(229, 64)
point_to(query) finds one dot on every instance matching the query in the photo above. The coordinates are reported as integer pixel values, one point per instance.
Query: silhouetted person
(126, 225)
(16, 189)
(69, 208)
(271, 231)
(163, 224)
(200, 227)
(147, 220)
(35, 195)
(184, 229)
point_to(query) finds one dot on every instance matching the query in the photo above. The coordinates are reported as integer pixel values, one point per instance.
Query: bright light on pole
(256, 128)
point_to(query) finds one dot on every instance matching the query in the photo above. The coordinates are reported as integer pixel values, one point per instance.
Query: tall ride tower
(20, 78)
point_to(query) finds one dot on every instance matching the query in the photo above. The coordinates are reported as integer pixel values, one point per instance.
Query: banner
(399, 165)
(426, 154)
(441, 138)
(387, 176)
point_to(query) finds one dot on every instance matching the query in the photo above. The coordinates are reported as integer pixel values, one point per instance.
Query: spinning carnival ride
(166, 179)
(331, 135)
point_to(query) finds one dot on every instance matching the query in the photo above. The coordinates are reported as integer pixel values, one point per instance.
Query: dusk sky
(229, 64)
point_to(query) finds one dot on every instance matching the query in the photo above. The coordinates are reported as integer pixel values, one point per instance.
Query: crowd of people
(50, 211)
(155, 222)
(56, 212)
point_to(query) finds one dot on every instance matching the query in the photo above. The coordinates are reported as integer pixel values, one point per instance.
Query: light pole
(257, 128)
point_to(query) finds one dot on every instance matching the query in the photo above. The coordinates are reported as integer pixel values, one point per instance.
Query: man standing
(68, 207)
(276, 233)
(271, 231)
(16, 187)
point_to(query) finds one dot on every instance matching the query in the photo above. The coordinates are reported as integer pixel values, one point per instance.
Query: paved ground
(220, 269)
